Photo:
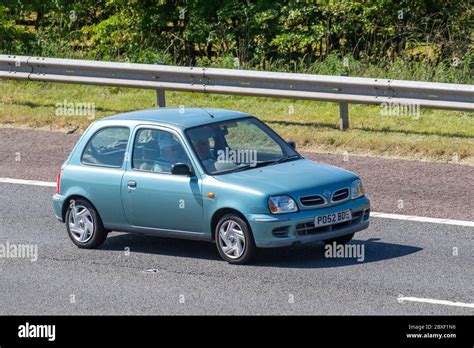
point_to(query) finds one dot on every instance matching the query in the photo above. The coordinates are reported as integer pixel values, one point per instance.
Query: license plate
(332, 218)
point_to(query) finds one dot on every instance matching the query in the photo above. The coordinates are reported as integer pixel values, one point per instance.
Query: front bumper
(271, 231)
(58, 201)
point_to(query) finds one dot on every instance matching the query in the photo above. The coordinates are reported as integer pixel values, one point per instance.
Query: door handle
(132, 184)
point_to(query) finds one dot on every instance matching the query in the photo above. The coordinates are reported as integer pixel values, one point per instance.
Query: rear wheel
(83, 225)
(340, 240)
(234, 240)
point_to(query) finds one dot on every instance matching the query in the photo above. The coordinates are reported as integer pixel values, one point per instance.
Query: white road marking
(423, 219)
(372, 214)
(432, 301)
(27, 182)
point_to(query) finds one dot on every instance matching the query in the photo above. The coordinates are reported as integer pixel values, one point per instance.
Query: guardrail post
(160, 93)
(160, 98)
(344, 113)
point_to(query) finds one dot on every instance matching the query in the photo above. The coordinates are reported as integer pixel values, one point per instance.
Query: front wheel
(340, 240)
(234, 240)
(84, 225)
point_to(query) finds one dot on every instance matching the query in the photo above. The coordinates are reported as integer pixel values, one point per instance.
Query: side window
(107, 147)
(156, 150)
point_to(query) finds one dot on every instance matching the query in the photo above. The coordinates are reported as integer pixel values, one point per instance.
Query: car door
(153, 198)
(98, 170)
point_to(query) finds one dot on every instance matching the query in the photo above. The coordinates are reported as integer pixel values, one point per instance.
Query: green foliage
(13, 37)
(421, 39)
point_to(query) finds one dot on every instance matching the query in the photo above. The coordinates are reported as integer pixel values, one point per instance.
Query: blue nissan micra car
(206, 174)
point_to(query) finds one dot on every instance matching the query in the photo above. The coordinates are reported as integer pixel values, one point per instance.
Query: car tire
(340, 240)
(234, 240)
(84, 225)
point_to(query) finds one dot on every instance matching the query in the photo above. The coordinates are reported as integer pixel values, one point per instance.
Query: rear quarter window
(106, 147)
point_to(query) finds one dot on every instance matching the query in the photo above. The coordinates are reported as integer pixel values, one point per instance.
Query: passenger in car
(171, 152)
(149, 154)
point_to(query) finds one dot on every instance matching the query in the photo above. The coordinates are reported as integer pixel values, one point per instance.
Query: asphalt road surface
(401, 258)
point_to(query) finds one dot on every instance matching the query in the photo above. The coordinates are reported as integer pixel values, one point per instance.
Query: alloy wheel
(81, 223)
(232, 239)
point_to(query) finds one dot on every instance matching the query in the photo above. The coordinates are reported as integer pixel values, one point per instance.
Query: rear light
(58, 182)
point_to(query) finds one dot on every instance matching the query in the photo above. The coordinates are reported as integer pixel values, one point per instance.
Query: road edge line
(27, 182)
(433, 301)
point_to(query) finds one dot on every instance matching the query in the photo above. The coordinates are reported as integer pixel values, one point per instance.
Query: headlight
(357, 189)
(282, 204)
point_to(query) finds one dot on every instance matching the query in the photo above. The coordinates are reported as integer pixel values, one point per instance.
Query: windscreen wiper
(286, 158)
(264, 163)
(255, 165)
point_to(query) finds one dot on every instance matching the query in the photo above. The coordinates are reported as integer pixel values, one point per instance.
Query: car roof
(182, 117)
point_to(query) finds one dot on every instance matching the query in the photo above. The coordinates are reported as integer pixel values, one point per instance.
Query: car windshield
(238, 145)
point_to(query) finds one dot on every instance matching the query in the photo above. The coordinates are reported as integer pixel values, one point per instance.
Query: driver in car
(200, 141)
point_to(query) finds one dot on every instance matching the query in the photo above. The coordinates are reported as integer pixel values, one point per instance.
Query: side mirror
(292, 145)
(181, 169)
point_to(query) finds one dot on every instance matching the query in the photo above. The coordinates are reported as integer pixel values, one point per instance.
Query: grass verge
(435, 135)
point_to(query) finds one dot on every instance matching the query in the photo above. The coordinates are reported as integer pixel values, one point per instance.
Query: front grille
(340, 195)
(312, 200)
(309, 228)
